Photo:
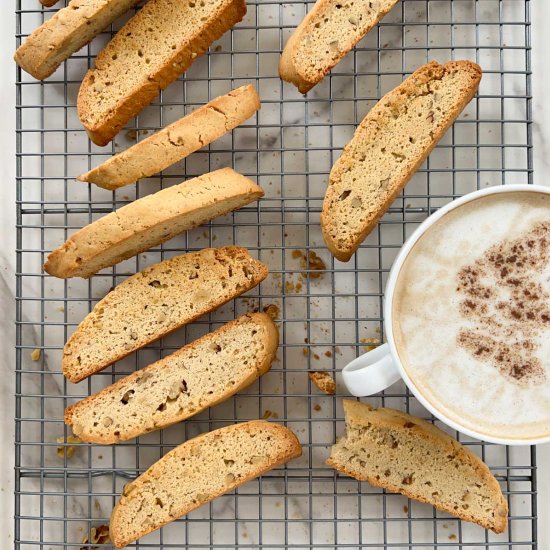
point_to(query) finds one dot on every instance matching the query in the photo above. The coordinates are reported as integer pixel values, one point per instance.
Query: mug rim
(390, 291)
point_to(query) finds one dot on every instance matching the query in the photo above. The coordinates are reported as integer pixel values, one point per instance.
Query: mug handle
(371, 372)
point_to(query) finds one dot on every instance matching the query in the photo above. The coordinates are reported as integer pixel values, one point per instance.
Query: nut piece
(63, 449)
(323, 381)
(35, 355)
(98, 535)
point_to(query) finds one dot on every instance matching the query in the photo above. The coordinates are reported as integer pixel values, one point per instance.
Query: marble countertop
(541, 136)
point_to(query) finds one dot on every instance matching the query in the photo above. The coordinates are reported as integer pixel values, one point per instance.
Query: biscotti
(389, 145)
(154, 47)
(327, 33)
(176, 141)
(49, 3)
(195, 377)
(408, 455)
(65, 33)
(151, 221)
(155, 302)
(198, 471)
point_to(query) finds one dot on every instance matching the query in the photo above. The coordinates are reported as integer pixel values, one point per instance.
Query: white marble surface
(297, 507)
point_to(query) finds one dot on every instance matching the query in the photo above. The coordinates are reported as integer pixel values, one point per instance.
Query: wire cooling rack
(326, 317)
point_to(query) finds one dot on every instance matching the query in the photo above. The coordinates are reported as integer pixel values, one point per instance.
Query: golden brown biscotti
(407, 455)
(157, 301)
(154, 47)
(65, 33)
(188, 381)
(327, 33)
(150, 221)
(197, 472)
(49, 3)
(389, 145)
(176, 141)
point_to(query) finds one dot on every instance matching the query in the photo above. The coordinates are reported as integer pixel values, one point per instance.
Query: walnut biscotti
(65, 33)
(196, 377)
(197, 472)
(389, 145)
(405, 454)
(327, 33)
(157, 301)
(176, 141)
(154, 47)
(150, 221)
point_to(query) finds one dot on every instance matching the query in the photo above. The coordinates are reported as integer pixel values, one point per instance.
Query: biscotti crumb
(323, 381)
(35, 355)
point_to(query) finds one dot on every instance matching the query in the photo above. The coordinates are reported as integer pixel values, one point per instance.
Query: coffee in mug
(471, 315)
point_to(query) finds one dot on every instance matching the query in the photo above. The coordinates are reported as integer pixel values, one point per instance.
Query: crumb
(452, 536)
(35, 354)
(205, 234)
(214, 237)
(445, 526)
(100, 457)
(126, 197)
(132, 134)
(69, 450)
(317, 407)
(269, 414)
(144, 132)
(323, 381)
(298, 286)
(316, 356)
(97, 506)
(61, 309)
(277, 504)
(370, 341)
(328, 353)
(245, 535)
(218, 48)
(305, 351)
(306, 340)
(406, 509)
(272, 310)
(297, 254)
(314, 264)
(98, 535)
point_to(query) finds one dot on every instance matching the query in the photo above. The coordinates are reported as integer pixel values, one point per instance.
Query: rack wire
(326, 317)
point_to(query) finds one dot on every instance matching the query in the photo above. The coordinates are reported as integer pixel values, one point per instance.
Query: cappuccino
(471, 315)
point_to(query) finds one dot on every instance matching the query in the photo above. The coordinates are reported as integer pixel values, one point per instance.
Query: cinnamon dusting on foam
(508, 305)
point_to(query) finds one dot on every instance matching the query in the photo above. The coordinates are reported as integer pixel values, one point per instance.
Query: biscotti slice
(180, 385)
(65, 33)
(408, 455)
(197, 472)
(155, 302)
(151, 221)
(177, 141)
(327, 33)
(389, 145)
(154, 47)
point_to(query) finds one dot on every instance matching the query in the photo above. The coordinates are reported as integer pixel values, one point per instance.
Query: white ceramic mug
(376, 370)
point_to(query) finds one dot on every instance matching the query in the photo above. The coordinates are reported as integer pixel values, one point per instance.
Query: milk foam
(427, 321)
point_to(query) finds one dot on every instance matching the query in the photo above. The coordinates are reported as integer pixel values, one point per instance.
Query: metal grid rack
(325, 321)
